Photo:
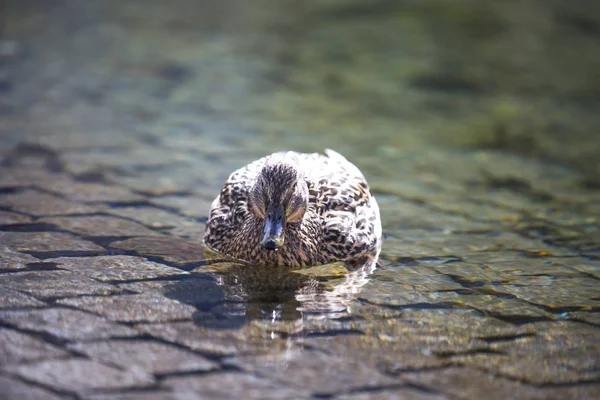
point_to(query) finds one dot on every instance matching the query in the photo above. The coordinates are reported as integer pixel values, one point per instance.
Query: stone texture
(79, 375)
(557, 293)
(12, 260)
(197, 207)
(149, 356)
(134, 308)
(16, 178)
(91, 192)
(206, 341)
(18, 348)
(115, 268)
(150, 216)
(458, 382)
(13, 389)
(100, 226)
(51, 284)
(191, 230)
(233, 385)
(42, 204)
(589, 317)
(13, 299)
(148, 394)
(512, 270)
(321, 373)
(392, 353)
(394, 394)
(199, 292)
(502, 306)
(10, 218)
(397, 294)
(66, 324)
(48, 242)
(421, 279)
(172, 250)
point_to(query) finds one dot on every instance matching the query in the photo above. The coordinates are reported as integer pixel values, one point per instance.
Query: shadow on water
(229, 295)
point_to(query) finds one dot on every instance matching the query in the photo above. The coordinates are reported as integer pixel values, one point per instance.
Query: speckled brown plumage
(331, 214)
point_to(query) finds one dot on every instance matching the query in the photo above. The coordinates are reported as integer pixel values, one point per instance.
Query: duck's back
(341, 198)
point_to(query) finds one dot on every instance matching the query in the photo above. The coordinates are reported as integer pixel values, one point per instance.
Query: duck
(294, 209)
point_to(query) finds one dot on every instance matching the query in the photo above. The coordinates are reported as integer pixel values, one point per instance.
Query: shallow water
(474, 123)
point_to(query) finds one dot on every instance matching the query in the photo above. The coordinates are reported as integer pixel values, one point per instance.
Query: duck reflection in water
(283, 294)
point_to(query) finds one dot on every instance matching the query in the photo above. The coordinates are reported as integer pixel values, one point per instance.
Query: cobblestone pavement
(119, 124)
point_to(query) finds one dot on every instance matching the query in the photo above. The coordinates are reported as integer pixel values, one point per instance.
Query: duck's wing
(340, 195)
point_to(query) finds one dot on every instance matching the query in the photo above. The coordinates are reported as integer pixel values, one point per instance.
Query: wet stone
(591, 268)
(152, 357)
(322, 373)
(217, 343)
(190, 230)
(15, 178)
(557, 293)
(12, 299)
(17, 348)
(52, 284)
(404, 215)
(92, 192)
(396, 294)
(12, 260)
(531, 368)
(14, 389)
(9, 218)
(556, 336)
(580, 391)
(128, 161)
(150, 216)
(589, 317)
(42, 204)
(74, 140)
(474, 210)
(95, 226)
(48, 242)
(395, 354)
(502, 306)
(444, 331)
(394, 394)
(147, 394)
(79, 375)
(159, 183)
(458, 381)
(172, 250)
(197, 207)
(200, 292)
(422, 244)
(66, 324)
(579, 355)
(116, 268)
(134, 308)
(418, 278)
(233, 385)
(504, 271)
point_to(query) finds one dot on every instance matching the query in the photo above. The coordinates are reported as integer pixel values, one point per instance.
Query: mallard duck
(295, 210)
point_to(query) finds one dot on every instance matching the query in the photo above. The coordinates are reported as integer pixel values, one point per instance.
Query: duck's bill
(274, 228)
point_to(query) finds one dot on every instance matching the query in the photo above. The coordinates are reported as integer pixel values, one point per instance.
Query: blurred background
(383, 78)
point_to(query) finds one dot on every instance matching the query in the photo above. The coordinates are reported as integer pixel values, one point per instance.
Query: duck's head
(279, 196)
